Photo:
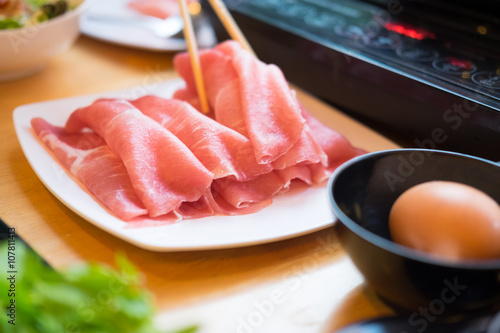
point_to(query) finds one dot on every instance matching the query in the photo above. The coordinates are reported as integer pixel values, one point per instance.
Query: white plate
(131, 36)
(291, 214)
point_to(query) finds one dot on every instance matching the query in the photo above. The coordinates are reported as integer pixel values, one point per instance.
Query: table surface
(222, 290)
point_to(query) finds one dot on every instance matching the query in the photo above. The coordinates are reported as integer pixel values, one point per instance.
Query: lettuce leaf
(86, 298)
(10, 23)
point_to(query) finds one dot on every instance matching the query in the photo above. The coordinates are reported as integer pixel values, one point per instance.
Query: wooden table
(312, 269)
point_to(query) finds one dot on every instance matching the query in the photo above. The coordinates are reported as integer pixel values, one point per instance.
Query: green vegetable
(10, 24)
(36, 4)
(36, 11)
(87, 298)
(57, 8)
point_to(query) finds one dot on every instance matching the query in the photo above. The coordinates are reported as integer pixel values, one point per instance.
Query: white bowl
(25, 51)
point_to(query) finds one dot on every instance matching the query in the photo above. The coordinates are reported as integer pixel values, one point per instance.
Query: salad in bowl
(21, 13)
(32, 32)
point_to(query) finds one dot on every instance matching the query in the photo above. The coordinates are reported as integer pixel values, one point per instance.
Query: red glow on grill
(467, 65)
(410, 31)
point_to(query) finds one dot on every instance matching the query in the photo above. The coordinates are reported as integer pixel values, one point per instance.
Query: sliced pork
(220, 149)
(270, 112)
(156, 160)
(91, 161)
(163, 171)
(335, 145)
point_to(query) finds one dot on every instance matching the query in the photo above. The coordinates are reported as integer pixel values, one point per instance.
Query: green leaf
(191, 329)
(9, 24)
(88, 297)
(35, 4)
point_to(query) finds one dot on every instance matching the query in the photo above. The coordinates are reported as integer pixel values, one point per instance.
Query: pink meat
(189, 96)
(335, 145)
(186, 211)
(88, 158)
(243, 197)
(228, 108)
(222, 151)
(272, 114)
(229, 112)
(305, 151)
(225, 90)
(298, 172)
(157, 8)
(229, 48)
(163, 171)
(269, 110)
(196, 209)
(242, 194)
(153, 161)
(235, 206)
(217, 70)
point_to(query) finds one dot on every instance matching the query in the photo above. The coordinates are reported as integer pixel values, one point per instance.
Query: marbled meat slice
(91, 161)
(228, 110)
(234, 197)
(269, 110)
(336, 146)
(163, 171)
(222, 151)
(243, 194)
(217, 69)
(235, 206)
(305, 151)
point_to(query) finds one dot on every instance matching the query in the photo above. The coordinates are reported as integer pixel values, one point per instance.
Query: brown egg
(447, 219)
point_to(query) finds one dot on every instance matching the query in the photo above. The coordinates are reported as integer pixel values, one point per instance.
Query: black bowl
(362, 192)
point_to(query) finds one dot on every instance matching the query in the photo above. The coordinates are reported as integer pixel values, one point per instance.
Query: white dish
(133, 36)
(291, 214)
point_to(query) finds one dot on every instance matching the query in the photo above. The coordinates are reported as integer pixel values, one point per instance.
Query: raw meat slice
(190, 97)
(217, 70)
(203, 207)
(182, 164)
(272, 114)
(222, 151)
(221, 206)
(243, 194)
(299, 172)
(196, 209)
(229, 48)
(269, 110)
(163, 171)
(255, 194)
(91, 161)
(228, 110)
(335, 145)
(305, 151)
(157, 8)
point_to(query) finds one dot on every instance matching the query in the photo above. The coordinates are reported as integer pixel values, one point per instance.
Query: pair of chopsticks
(231, 27)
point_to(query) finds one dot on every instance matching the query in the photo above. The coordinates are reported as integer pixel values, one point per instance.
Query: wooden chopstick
(189, 35)
(190, 38)
(229, 23)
